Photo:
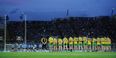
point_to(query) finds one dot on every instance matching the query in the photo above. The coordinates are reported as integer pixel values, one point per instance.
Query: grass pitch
(57, 54)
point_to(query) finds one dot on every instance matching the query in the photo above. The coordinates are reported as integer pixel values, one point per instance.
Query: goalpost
(5, 29)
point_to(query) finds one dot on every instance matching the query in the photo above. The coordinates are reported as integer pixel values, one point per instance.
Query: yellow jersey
(50, 40)
(103, 40)
(89, 41)
(108, 40)
(98, 41)
(70, 40)
(94, 40)
(65, 40)
(55, 41)
(80, 40)
(59, 41)
(75, 40)
(84, 39)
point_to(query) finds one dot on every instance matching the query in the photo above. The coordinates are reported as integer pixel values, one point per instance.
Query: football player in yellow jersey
(103, 43)
(106, 41)
(94, 44)
(85, 43)
(55, 44)
(108, 44)
(70, 43)
(76, 43)
(89, 41)
(50, 43)
(98, 43)
(60, 44)
(65, 43)
(80, 43)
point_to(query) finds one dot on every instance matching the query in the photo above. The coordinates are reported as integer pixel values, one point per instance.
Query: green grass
(57, 54)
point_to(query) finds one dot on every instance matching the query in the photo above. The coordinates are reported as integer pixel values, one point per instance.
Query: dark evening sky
(47, 9)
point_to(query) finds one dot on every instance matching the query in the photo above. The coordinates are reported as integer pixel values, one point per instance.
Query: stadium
(57, 29)
(60, 37)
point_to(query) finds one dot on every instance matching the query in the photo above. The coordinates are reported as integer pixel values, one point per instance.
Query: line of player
(79, 43)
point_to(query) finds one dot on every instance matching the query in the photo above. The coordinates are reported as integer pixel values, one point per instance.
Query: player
(89, 41)
(65, 43)
(80, 43)
(55, 44)
(98, 44)
(85, 43)
(108, 44)
(44, 42)
(70, 43)
(50, 43)
(60, 42)
(94, 44)
(103, 43)
(76, 43)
